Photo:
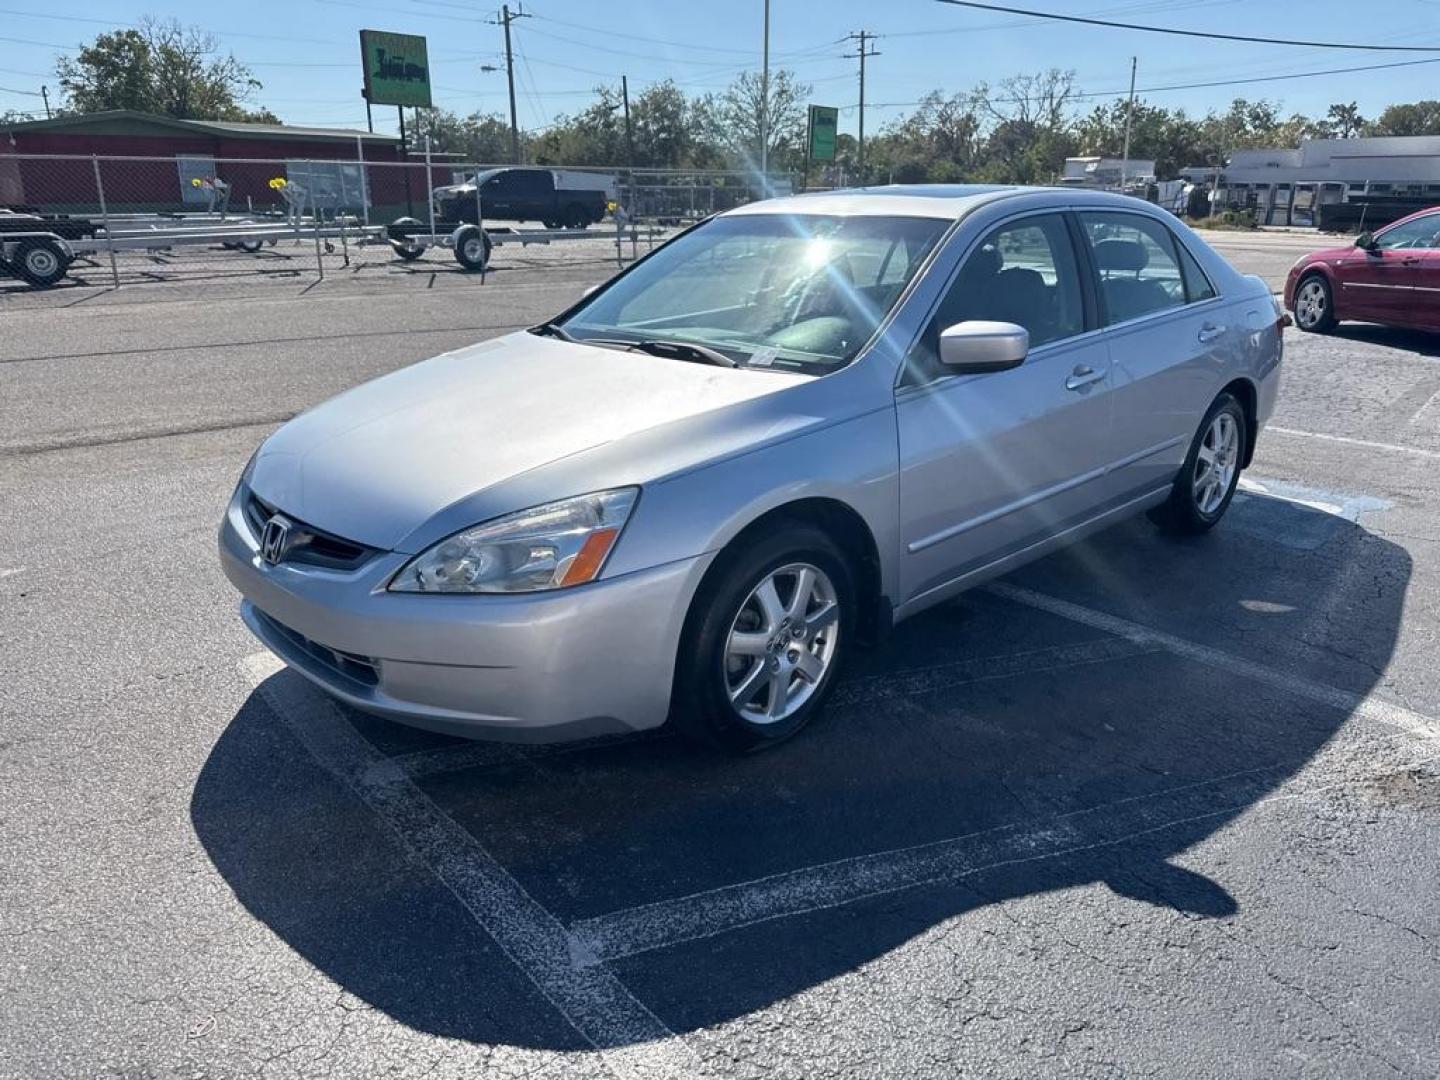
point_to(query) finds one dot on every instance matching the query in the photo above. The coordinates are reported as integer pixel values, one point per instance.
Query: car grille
(307, 544)
(356, 668)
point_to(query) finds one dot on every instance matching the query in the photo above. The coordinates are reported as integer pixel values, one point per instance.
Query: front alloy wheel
(764, 638)
(1313, 309)
(782, 643)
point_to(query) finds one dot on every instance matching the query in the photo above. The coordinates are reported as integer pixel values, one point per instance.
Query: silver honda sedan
(692, 494)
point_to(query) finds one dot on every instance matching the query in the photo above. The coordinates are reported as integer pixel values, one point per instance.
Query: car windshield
(801, 292)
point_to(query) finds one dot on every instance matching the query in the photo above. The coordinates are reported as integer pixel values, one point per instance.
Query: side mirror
(975, 347)
(1365, 241)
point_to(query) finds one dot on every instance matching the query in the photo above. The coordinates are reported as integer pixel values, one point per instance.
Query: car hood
(375, 463)
(1328, 254)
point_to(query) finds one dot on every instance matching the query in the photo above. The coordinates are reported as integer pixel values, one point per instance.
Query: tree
(1168, 137)
(939, 140)
(482, 138)
(736, 118)
(1420, 118)
(162, 67)
(1343, 121)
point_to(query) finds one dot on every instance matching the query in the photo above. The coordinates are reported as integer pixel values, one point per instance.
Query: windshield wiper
(553, 329)
(683, 350)
(680, 350)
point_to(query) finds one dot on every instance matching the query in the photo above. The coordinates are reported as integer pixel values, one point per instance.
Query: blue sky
(306, 51)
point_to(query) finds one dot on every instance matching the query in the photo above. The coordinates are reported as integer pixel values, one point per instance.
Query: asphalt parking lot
(1146, 808)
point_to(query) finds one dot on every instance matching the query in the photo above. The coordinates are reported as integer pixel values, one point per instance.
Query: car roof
(945, 201)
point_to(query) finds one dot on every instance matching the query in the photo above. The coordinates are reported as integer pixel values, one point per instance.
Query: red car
(1391, 277)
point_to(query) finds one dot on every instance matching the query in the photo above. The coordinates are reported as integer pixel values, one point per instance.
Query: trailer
(39, 248)
(472, 244)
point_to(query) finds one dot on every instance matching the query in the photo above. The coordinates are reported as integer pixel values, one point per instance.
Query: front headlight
(553, 546)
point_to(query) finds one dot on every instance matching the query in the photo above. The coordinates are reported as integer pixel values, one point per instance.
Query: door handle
(1082, 377)
(1209, 332)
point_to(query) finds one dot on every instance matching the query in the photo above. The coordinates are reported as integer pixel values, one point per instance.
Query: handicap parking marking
(1295, 516)
(1336, 503)
(631, 1039)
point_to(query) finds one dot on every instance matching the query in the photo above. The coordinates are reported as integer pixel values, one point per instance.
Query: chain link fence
(116, 221)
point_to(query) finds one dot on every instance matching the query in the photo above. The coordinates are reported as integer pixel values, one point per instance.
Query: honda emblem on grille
(275, 539)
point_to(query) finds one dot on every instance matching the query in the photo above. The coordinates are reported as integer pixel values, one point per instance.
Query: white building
(1107, 172)
(1285, 186)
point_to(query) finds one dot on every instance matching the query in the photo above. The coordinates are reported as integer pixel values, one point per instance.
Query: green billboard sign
(397, 71)
(824, 121)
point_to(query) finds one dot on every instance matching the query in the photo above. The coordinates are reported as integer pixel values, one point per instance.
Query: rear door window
(1137, 262)
(1197, 285)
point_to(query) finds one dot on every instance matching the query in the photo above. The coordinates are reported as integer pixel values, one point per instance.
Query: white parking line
(13, 571)
(828, 885)
(1366, 705)
(705, 914)
(631, 1039)
(1389, 447)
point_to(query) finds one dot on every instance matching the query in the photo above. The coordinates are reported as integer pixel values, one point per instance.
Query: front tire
(764, 639)
(1207, 481)
(472, 248)
(1315, 304)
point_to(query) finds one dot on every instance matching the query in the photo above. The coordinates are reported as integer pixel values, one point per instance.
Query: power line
(1208, 34)
(116, 25)
(650, 40)
(1189, 86)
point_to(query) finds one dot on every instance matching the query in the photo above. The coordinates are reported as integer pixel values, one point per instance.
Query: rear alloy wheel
(40, 262)
(577, 218)
(1211, 472)
(1314, 305)
(764, 641)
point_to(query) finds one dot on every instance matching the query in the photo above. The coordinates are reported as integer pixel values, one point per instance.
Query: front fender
(700, 511)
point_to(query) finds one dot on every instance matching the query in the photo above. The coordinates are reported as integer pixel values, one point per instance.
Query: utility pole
(45, 97)
(506, 18)
(765, 102)
(1129, 118)
(629, 135)
(862, 37)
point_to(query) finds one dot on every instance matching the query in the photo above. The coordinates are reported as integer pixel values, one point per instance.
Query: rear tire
(1207, 481)
(1315, 304)
(40, 262)
(755, 665)
(577, 218)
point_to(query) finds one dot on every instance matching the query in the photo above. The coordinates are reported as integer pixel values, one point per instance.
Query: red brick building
(246, 156)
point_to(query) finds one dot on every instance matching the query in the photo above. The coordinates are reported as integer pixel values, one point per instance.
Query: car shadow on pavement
(1024, 750)
(1419, 342)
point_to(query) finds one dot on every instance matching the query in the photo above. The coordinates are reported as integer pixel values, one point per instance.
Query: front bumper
(542, 667)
